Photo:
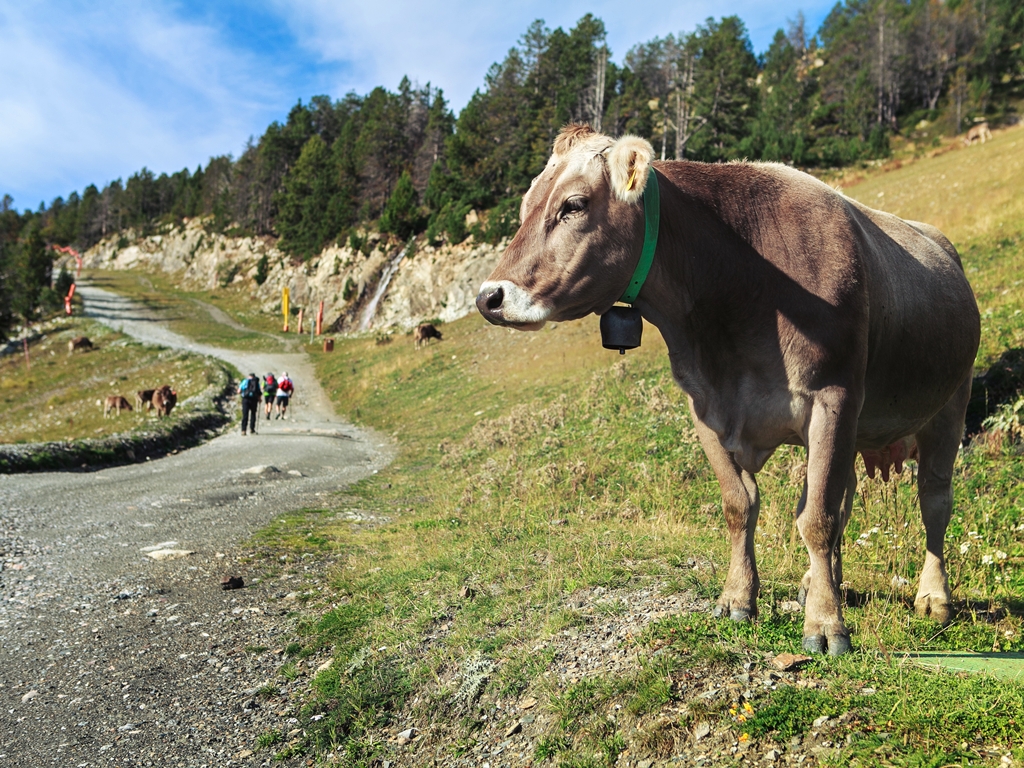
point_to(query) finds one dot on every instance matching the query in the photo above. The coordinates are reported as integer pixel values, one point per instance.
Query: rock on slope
(429, 283)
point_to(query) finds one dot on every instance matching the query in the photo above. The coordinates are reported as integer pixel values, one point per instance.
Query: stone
(261, 469)
(29, 696)
(169, 554)
(467, 592)
(701, 730)
(407, 735)
(161, 545)
(771, 755)
(790, 661)
(528, 703)
(513, 729)
(820, 721)
(232, 582)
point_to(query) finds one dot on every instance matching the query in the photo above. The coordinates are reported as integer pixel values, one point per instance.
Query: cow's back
(848, 277)
(924, 325)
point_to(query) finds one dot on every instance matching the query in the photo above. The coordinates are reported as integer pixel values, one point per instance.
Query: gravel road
(111, 657)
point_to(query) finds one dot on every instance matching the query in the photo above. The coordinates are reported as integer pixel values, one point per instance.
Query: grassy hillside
(529, 581)
(61, 396)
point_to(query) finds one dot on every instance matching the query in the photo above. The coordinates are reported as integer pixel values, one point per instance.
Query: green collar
(652, 218)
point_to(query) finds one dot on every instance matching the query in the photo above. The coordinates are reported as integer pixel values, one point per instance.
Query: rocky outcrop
(429, 282)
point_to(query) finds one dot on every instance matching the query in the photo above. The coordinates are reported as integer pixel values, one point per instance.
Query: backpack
(269, 385)
(286, 386)
(245, 387)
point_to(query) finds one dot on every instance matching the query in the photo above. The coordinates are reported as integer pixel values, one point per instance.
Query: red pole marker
(320, 319)
(300, 322)
(67, 299)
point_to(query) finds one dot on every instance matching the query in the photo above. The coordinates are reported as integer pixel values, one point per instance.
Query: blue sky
(91, 92)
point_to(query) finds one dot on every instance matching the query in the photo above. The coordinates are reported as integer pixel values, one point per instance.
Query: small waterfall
(385, 279)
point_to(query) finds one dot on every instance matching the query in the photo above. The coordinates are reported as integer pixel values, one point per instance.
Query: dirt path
(108, 657)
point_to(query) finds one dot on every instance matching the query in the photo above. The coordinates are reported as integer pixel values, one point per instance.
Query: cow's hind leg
(741, 503)
(937, 444)
(837, 548)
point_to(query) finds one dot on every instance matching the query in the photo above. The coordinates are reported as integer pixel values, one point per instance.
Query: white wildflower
(987, 560)
(1000, 555)
(899, 581)
(964, 547)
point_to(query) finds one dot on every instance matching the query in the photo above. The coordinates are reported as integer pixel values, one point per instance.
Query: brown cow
(792, 314)
(79, 342)
(115, 402)
(144, 399)
(424, 333)
(164, 399)
(977, 132)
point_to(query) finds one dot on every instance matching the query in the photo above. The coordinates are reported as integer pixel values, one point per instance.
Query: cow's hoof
(736, 614)
(928, 607)
(836, 645)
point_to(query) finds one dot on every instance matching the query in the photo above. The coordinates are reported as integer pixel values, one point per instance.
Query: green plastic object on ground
(1005, 666)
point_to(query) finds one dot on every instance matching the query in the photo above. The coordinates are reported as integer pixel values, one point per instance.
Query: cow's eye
(572, 206)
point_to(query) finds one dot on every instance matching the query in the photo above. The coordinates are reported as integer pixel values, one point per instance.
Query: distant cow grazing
(977, 132)
(164, 399)
(424, 333)
(79, 342)
(792, 315)
(115, 403)
(144, 399)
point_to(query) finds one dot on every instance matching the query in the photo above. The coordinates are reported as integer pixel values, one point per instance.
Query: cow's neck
(702, 291)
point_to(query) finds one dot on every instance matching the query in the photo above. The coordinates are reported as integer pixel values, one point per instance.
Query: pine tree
(401, 215)
(306, 218)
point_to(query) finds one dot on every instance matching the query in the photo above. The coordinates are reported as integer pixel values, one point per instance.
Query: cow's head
(581, 233)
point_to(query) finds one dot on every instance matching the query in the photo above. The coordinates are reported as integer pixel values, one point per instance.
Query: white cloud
(93, 96)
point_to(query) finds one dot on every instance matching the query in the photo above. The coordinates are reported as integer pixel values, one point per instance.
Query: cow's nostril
(495, 299)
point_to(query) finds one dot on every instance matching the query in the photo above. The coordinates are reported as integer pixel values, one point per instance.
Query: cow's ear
(629, 160)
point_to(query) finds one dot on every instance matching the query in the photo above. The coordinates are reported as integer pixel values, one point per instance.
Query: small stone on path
(169, 554)
(232, 582)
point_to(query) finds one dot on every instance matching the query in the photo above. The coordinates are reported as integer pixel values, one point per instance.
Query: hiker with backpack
(285, 388)
(249, 390)
(269, 391)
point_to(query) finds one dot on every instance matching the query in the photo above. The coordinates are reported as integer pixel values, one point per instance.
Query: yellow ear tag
(632, 180)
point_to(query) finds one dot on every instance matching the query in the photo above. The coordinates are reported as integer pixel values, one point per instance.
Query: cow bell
(621, 328)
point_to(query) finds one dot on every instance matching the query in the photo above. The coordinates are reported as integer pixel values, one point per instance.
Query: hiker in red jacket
(285, 388)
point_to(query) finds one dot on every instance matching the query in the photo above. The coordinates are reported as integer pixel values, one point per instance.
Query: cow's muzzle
(489, 302)
(505, 303)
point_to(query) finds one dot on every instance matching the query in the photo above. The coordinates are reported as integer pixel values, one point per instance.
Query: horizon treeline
(403, 162)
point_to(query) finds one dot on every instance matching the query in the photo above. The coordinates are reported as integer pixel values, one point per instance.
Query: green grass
(61, 396)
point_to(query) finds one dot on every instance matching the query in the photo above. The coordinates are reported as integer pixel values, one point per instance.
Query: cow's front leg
(831, 443)
(741, 503)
